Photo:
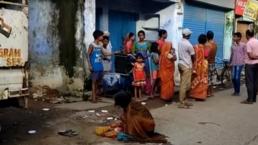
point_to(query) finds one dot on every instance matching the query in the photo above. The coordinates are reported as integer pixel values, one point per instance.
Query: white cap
(186, 31)
(106, 33)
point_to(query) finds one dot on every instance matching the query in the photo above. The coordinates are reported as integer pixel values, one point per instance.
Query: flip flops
(68, 133)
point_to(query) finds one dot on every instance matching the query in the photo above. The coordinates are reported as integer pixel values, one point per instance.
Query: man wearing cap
(186, 58)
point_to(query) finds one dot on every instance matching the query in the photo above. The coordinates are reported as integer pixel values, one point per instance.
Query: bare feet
(188, 104)
(93, 100)
(151, 97)
(183, 106)
(99, 98)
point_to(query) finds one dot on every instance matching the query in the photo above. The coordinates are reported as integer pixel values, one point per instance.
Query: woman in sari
(137, 121)
(143, 47)
(129, 43)
(162, 37)
(199, 84)
(166, 72)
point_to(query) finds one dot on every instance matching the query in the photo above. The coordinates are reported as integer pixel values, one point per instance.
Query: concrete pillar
(89, 15)
(89, 21)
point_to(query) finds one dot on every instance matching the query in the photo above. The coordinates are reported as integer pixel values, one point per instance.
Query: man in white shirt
(185, 64)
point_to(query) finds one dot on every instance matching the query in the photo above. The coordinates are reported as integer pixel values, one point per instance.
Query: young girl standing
(138, 76)
(142, 46)
(154, 66)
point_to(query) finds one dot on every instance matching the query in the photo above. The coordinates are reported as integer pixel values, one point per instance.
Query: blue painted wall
(120, 24)
(44, 47)
(43, 33)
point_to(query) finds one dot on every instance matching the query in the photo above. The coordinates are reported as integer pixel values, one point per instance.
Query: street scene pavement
(221, 120)
(100, 72)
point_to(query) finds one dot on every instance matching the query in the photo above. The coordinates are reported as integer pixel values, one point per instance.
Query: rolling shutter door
(194, 19)
(200, 20)
(215, 23)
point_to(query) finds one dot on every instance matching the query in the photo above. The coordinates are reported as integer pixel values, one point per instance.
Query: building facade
(60, 35)
(122, 17)
(202, 16)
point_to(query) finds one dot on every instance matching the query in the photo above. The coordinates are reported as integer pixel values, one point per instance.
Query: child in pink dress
(138, 76)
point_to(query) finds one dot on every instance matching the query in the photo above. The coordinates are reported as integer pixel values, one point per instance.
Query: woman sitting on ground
(137, 120)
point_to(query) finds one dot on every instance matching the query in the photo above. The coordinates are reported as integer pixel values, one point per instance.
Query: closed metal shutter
(195, 20)
(200, 20)
(215, 23)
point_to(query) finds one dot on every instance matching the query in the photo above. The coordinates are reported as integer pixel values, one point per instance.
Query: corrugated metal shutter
(215, 23)
(195, 19)
(200, 20)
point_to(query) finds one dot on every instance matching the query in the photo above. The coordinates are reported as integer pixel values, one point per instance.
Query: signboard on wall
(251, 10)
(14, 48)
(240, 7)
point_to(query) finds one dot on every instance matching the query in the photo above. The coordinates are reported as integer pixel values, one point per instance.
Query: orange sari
(166, 72)
(199, 85)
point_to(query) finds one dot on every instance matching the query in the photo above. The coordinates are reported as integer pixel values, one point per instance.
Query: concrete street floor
(221, 120)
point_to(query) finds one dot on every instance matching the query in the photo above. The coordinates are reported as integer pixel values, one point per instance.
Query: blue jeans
(236, 75)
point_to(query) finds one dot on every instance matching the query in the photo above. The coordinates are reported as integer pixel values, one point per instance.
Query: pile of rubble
(46, 94)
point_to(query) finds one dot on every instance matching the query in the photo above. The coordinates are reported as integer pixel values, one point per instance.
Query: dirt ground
(16, 122)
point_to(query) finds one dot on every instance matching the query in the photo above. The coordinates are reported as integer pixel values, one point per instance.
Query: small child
(138, 76)
(154, 67)
(95, 54)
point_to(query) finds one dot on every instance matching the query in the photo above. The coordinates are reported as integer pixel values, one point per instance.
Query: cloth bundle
(108, 131)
